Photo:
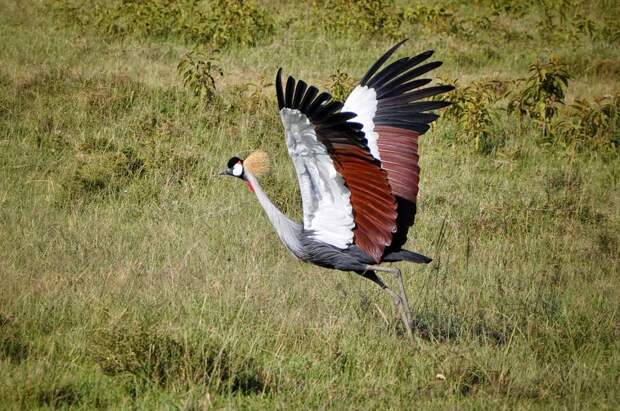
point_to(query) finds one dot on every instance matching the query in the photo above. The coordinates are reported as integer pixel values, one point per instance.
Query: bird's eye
(237, 170)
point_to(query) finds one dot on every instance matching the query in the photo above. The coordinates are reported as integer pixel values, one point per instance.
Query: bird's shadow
(432, 327)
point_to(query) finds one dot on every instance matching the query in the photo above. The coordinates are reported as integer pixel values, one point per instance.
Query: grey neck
(288, 230)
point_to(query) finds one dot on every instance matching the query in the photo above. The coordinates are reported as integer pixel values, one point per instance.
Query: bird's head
(256, 163)
(234, 168)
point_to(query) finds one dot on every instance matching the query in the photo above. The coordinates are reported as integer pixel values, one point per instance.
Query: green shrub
(594, 125)
(236, 22)
(538, 98)
(434, 17)
(198, 72)
(257, 95)
(516, 8)
(474, 112)
(443, 19)
(341, 84)
(366, 17)
(542, 92)
(573, 19)
(217, 22)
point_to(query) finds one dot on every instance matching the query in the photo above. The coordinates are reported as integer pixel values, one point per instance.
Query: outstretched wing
(345, 193)
(389, 104)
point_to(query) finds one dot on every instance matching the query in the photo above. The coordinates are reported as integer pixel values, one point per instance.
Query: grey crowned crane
(357, 167)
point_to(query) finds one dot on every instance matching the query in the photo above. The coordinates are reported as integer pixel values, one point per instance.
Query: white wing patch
(326, 199)
(363, 102)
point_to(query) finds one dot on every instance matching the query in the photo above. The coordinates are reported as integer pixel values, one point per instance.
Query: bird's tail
(406, 255)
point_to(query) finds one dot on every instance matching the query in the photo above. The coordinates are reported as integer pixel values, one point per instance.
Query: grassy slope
(121, 287)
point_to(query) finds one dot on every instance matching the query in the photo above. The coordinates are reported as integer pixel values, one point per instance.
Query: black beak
(224, 173)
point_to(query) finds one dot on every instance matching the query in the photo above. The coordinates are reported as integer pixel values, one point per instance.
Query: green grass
(133, 276)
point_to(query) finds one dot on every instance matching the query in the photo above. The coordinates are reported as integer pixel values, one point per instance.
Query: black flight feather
(279, 91)
(310, 95)
(299, 93)
(373, 69)
(290, 87)
(402, 88)
(398, 67)
(323, 97)
(410, 75)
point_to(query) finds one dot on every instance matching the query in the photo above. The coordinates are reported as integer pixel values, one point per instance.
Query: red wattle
(247, 183)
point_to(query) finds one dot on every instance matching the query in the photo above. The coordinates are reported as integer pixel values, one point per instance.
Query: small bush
(341, 84)
(366, 17)
(433, 17)
(515, 8)
(385, 19)
(198, 72)
(593, 125)
(257, 95)
(217, 22)
(542, 92)
(569, 20)
(237, 22)
(473, 110)
(252, 101)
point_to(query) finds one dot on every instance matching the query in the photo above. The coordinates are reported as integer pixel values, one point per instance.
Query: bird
(357, 165)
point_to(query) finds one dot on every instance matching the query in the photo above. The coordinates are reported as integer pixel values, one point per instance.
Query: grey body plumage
(302, 244)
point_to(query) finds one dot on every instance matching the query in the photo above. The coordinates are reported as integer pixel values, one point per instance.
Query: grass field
(132, 276)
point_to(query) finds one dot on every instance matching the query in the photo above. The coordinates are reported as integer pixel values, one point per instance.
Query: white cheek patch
(237, 170)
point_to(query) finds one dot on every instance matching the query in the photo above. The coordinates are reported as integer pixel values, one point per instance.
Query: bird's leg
(403, 295)
(400, 301)
(403, 309)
